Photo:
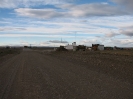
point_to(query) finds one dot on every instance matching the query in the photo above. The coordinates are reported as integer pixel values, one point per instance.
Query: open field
(118, 64)
(6, 53)
(42, 48)
(66, 75)
(119, 52)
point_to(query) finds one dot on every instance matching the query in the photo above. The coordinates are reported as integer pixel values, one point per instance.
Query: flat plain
(35, 74)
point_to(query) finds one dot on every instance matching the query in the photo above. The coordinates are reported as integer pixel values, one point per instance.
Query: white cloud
(29, 3)
(93, 26)
(50, 44)
(2, 22)
(105, 3)
(94, 21)
(69, 11)
(57, 28)
(24, 43)
(39, 13)
(122, 42)
(35, 35)
(12, 29)
(90, 41)
(95, 9)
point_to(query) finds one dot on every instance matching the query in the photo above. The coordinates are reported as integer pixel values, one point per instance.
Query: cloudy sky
(48, 22)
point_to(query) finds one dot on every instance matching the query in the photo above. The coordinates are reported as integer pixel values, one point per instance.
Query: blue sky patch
(107, 22)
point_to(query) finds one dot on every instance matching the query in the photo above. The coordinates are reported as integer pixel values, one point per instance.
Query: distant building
(25, 46)
(89, 48)
(74, 43)
(71, 47)
(96, 47)
(101, 47)
(109, 48)
(81, 48)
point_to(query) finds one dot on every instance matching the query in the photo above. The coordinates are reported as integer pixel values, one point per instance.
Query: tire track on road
(47, 91)
(67, 88)
(4, 65)
(14, 65)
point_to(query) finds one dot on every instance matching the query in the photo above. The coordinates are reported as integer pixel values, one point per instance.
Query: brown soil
(118, 64)
(66, 75)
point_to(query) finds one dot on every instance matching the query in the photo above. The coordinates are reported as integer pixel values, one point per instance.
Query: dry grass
(5, 51)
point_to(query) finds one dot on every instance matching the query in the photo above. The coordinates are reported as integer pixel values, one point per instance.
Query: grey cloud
(91, 41)
(2, 29)
(84, 21)
(111, 34)
(11, 28)
(44, 43)
(29, 3)
(65, 6)
(39, 13)
(96, 9)
(5, 29)
(123, 42)
(125, 3)
(67, 10)
(57, 41)
(19, 29)
(127, 32)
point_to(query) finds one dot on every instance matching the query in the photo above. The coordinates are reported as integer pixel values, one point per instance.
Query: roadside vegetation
(6, 51)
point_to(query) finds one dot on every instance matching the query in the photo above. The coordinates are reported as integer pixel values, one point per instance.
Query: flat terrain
(66, 75)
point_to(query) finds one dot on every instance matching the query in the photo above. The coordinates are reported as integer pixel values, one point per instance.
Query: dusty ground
(63, 75)
(118, 64)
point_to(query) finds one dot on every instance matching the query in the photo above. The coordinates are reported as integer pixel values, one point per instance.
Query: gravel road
(33, 75)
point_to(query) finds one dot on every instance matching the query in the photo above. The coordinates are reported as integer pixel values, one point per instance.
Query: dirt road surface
(33, 75)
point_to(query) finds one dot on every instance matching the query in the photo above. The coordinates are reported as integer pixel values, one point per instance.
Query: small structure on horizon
(101, 47)
(61, 48)
(96, 47)
(81, 48)
(71, 47)
(109, 48)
